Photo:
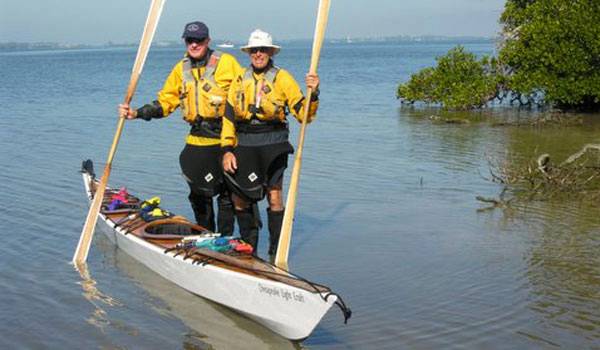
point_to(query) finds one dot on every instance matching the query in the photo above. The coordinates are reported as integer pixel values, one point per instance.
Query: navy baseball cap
(195, 30)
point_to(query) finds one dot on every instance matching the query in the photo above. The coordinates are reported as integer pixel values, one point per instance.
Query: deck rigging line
(192, 252)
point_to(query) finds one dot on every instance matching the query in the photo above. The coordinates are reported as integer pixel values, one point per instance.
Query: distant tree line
(548, 55)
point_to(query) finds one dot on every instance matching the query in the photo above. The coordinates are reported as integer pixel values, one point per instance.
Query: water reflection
(211, 326)
(387, 216)
(560, 281)
(564, 272)
(91, 293)
(563, 264)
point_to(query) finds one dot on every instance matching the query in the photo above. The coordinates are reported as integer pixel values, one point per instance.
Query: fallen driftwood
(575, 176)
(499, 202)
(575, 156)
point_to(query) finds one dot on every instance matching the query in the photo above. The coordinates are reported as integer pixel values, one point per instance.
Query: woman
(255, 134)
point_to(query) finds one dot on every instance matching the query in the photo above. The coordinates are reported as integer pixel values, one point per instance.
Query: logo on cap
(193, 27)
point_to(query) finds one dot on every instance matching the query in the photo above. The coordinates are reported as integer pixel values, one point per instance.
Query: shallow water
(386, 215)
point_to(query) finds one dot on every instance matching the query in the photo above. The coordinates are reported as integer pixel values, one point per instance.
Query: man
(255, 135)
(198, 84)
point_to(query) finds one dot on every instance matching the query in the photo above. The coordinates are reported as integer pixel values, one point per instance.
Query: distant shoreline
(40, 46)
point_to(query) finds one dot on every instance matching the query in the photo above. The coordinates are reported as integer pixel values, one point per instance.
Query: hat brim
(247, 48)
(194, 36)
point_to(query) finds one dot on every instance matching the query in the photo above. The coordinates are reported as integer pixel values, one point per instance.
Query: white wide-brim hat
(258, 38)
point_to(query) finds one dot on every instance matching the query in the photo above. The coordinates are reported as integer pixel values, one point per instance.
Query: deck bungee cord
(175, 240)
(190, 251)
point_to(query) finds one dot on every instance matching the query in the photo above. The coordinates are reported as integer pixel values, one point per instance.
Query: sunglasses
(190, 41)
(260, 49)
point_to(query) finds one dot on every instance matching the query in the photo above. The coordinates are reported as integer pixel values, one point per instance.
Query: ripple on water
(564, 271)
(386, 216)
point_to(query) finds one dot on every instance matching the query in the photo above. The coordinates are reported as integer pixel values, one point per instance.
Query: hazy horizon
(239, 41)
(76, 22)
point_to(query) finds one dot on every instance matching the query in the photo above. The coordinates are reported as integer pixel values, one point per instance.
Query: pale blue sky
(99, 21)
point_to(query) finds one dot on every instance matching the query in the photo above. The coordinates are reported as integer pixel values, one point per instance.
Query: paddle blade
(87, 233)
(285, 237)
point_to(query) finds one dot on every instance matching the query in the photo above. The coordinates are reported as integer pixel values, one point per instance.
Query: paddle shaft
(87, 232)
(285, 237)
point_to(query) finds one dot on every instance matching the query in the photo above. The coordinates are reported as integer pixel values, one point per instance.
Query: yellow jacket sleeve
(227, 70)
(294, 96)
(233, 78)
(228, 133)
(168, 97)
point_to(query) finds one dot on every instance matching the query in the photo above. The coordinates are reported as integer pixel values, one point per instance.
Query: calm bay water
(386, 216)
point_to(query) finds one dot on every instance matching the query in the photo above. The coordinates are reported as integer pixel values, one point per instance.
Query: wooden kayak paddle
(87, 233)
(281, 258)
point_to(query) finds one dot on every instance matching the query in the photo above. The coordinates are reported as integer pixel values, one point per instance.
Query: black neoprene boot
(248, 227)
(275, 221)
(203, 210)
(225, 216)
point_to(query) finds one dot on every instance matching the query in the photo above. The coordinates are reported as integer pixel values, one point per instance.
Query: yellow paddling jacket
(201, 92)
(266, 97)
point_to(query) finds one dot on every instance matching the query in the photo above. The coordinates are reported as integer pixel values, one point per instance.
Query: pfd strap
(209, 71)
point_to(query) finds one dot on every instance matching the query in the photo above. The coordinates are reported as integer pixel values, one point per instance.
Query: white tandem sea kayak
(281, 301)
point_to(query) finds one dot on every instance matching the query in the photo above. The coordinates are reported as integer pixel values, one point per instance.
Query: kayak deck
(173, 247)
(133, 223)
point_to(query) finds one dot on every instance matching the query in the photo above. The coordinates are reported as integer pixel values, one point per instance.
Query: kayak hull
(287, 310)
